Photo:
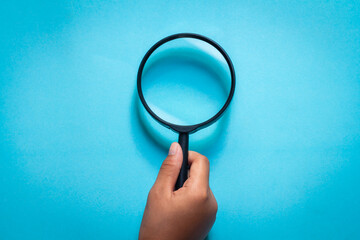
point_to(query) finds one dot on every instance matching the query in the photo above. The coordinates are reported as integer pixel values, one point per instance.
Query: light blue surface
(77, 155)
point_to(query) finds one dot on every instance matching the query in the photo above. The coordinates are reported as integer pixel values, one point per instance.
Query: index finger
(199, 168)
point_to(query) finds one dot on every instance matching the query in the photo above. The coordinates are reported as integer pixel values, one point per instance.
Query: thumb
(170, 169)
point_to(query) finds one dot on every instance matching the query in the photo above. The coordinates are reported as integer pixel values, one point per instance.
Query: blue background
(78, 155)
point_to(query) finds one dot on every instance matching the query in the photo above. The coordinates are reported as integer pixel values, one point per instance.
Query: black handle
(184, 143)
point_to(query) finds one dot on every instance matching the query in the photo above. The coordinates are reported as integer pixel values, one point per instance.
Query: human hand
(187, 213)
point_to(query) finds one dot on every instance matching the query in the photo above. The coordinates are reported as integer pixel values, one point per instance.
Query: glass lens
(186, 81)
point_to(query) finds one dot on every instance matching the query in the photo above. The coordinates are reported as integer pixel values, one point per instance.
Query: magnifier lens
(186, 81)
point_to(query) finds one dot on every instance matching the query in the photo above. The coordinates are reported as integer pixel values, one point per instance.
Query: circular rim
(195, 127)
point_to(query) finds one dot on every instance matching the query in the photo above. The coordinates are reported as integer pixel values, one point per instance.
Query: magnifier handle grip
(183, 175)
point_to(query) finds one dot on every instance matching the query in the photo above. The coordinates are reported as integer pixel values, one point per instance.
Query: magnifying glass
(186, 82)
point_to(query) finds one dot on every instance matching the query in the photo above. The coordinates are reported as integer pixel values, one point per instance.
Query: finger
(199, 168)
(170, 169)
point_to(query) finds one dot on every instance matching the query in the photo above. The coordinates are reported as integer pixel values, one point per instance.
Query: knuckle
(154, 193)
(204, 160)
(202, 196)
(214, 206)
(205, 198)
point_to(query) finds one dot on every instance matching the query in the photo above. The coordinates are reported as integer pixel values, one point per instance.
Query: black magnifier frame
(185, 130)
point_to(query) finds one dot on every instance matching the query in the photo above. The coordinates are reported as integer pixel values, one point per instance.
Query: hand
(187, 213)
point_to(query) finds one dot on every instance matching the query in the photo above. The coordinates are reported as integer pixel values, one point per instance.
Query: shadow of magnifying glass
(208, 141)
(152, 138)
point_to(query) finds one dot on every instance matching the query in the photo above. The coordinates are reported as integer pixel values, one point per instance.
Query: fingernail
(173, 149)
